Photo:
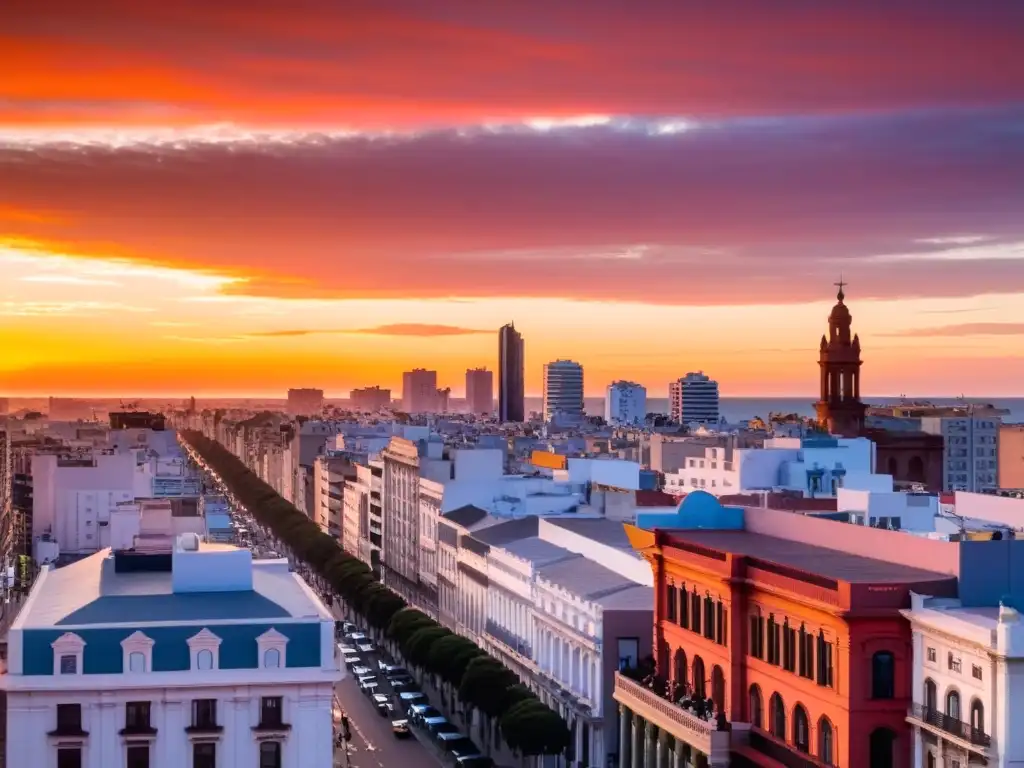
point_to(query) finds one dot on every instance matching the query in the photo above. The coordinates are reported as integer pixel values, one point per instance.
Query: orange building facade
(771, 652)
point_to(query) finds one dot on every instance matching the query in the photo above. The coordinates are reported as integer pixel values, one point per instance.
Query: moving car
(400, 728)
(382, 703)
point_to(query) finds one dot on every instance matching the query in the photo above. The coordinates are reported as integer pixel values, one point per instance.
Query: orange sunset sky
(224, 198)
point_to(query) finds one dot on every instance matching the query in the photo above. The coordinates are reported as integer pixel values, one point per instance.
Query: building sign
(548, 460)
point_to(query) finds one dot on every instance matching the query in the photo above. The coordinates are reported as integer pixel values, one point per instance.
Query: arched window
(977, 717)
(953, 705)
(915, 470)
(272, 658)
(931, 696)
(136, 661)
(778, 717)
(801, 729)
(755, 704)
(881, 748)
(718, 688)
(680, 669)
(826, 742)
(699, 678)
(204, 659)
(883, 675)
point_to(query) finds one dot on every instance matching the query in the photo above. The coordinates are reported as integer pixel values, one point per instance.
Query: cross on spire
(841, 284)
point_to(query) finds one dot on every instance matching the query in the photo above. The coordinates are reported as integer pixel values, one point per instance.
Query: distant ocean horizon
(735, 409)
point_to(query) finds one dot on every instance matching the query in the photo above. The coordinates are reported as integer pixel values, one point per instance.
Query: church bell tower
(839, 406)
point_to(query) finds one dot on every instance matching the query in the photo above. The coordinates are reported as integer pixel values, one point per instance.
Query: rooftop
(89, 591)
(466, 516)
(538, 551)
(607, 532)
(809, 558)
(589, 580)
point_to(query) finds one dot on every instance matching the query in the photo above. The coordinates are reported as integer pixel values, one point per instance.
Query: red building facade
(800, 650)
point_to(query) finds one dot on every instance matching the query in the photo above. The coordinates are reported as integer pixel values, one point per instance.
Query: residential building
(511, 375)
(1011, 457)
(305, 402)
(400, 492)
(172, 653)
(480, 391)
(419, 391)
(7, 517)
(451, 528)
(773, 644)
(370, 399)
(74, 494)
(964, 684)
(810, 466)
(693, 399)
(355, 509)
(625, 403)
(898, 511)
(971, 440)
(563, 390)
(330, 473)
(69, 409)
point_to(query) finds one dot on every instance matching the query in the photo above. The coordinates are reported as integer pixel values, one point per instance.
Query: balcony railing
(950, 725)
(705, 734)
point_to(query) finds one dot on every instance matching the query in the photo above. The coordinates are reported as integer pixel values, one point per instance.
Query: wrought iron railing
(951, 725)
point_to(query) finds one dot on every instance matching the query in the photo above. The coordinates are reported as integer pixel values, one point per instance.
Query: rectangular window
(684, 608)
(270, 710)
(137, 756)
(69, 665)
(824, 658)
(773, 640)
(954, 663)
(69, 718)
(756, 642)
(672, 602)
(719, 623)
(204, 713)
(695, 612)
(270, 754)
(69, 757)
(788, 647)
(976, 672)
(204, 755)
(709, 618)
(136, 715)
(931, 654)
(806, 654)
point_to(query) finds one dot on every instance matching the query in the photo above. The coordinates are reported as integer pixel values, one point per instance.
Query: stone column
(637, 745)
(650, 745)
(677, 755)
(625, 735)
(662, 758)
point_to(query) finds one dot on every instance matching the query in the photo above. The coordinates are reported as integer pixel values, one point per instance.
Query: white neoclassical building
(171, 655)
(967, 676)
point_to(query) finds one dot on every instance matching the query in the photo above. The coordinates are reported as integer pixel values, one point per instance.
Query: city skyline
(645, 194)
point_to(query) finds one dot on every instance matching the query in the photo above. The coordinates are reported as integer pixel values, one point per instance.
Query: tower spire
(841, 284)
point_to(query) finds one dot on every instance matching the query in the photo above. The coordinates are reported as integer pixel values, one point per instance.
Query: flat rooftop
(607, 532)
(90, 592)
(538, 551)
(809, 558)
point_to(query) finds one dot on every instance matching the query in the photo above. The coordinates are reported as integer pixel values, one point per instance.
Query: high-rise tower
(511, 391)
(839, 406)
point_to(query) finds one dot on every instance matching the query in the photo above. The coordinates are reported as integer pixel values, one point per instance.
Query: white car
(366, 647)
(362, 672)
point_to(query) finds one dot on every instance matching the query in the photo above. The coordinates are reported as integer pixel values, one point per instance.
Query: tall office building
(480, 391)
(563, 390)
(693, 398)
(511, 392)
(625, 403)
(419, 391)
(305, 402)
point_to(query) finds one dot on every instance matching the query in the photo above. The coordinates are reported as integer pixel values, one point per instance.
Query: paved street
(373, 744)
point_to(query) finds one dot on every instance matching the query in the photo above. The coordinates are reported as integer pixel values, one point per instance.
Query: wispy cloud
(64, 308)
(215, 340)
(955, 240)
(963, 329)
(421, 329)
(988, 252)
(67, 280)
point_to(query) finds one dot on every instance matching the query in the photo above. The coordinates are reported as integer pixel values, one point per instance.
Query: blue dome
(698, 503)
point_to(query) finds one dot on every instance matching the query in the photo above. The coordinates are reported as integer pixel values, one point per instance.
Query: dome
(696, 502)
(840, 314)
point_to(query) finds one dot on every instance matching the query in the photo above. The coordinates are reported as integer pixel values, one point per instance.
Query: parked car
(382, 703)
(352, 662)
(393, 671)
(366, 682)
(366, 647)
(362, 671)
(474, 761)
(400, 728)
(419, 713)
(438, 725)
(456, 743)
(409, 700)
(402, 684)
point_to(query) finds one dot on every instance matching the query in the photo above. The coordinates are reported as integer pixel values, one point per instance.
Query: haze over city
(211, 199)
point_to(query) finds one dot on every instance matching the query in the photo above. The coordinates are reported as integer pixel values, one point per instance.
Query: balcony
(942, 724)
(701, 734)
